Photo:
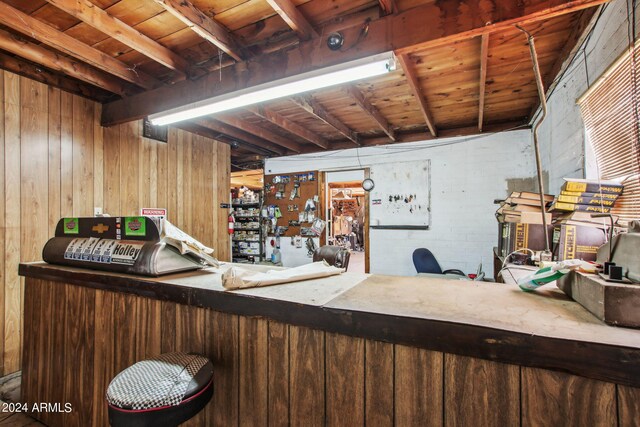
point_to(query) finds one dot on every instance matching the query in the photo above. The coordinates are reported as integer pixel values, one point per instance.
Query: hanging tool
(295, 192)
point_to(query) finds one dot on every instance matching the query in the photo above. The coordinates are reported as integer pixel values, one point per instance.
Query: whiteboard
(402, 195)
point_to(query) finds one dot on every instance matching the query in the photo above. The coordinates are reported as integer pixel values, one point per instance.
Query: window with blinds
(610, 110)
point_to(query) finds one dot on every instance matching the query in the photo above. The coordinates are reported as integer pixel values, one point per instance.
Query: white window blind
(610, 111)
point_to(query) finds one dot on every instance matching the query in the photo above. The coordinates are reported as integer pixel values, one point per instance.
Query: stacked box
(520, 223)
(592, 196)
(578, 235)
(573, 241)
(515, 236)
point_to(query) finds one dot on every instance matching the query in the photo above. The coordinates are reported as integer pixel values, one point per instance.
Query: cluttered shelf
(247, 234)
(591, 251)
(579, 220)
(245, 204)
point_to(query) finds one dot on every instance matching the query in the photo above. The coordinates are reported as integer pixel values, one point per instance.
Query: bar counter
(351, 350)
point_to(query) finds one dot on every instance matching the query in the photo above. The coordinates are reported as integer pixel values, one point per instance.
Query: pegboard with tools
(294, 200)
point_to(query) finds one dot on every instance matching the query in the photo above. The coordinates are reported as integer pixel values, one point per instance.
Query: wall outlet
(97, 211)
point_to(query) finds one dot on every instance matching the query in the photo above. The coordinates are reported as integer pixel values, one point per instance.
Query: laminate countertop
(492, 321)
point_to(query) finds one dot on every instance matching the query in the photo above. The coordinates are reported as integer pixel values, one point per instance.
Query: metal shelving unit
(243, 248)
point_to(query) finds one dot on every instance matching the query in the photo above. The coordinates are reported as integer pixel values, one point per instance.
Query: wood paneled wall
(268, 373)
(58, 161)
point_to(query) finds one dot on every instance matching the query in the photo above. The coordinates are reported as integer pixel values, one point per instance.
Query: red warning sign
(153, 212)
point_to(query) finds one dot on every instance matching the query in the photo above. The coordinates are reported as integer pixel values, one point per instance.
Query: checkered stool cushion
(161, 389)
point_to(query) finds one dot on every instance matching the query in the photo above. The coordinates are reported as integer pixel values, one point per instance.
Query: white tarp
(240, 278)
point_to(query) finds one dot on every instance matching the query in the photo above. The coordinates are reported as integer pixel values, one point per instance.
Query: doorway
(347, 216)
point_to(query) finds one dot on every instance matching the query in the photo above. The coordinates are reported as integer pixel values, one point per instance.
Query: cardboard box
(572, 241)
(514, 236)
(591, 186)
(527, 217)
(570, 207)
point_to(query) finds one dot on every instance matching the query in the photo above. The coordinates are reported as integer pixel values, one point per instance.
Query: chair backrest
(334, 255)
(425, 261)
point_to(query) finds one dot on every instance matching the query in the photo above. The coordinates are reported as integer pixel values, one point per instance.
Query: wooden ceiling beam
(247, 159)
(241, 162)
(31, 27)
(414, 85)
(294, 18)
(235, 121)
(581, 31)
(484, 56)
(505, 14)
(439, 22)
(313, 107)
(49, 59)
(370, 110)
(97, 18)
(444, 133)
(50, 78)
(205, 27)
(417, 136)
(236, 134)
(288, 125)
(205, 131)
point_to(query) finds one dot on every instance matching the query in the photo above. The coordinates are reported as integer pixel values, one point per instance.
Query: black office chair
(425, 262)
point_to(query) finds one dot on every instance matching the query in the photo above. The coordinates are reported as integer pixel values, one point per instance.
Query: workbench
(345, 350)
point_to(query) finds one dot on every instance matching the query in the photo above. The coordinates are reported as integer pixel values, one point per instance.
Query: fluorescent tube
(318, 79)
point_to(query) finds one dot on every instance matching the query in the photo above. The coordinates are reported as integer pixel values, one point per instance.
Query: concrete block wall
(467, 174)
(562, 137)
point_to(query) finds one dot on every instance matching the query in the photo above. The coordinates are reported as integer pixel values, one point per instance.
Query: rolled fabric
(240, 278)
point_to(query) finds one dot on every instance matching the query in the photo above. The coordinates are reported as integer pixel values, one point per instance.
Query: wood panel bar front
(271, 373)
(57, 161)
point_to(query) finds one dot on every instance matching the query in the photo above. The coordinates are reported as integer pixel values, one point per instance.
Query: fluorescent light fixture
(330, 76)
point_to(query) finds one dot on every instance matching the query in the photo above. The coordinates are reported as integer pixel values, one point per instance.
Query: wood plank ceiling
(463, 67)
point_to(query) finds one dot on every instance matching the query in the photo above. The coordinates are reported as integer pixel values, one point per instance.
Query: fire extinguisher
(232, 222)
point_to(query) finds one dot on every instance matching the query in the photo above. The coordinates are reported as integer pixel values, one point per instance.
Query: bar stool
(163, 391)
